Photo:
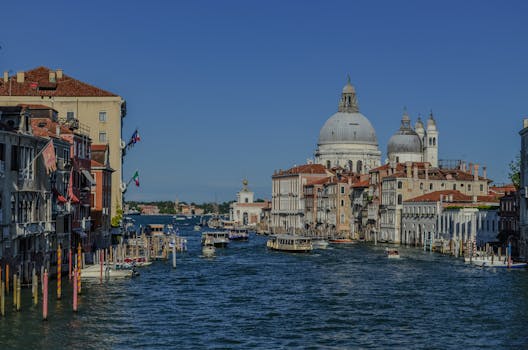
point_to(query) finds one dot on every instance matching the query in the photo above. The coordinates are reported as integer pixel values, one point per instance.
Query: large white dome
(349, 128)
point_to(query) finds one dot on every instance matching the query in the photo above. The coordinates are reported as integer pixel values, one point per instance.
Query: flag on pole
(135, 138)
(71, 196)
(136, 178)
(50, 161)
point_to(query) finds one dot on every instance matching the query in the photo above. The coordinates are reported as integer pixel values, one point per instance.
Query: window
(469, 187)
(359, 165)
(421, 185)
(481, 187)
(342, 203)
(350, 165)
(342, 189)
(70, 115)
(328, 164)
(102, 117)
(102, 137)
(430, 186)
(14, 158)
(454, 186)
(400, 184)
(399, 199)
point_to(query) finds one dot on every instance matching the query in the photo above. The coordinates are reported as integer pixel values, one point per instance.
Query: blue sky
(226, 90)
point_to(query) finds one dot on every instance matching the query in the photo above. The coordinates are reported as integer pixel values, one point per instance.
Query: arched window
(454, 186)
(359, 166)
(350, 165)
(400, 184)
(421, 185)
(328, 164)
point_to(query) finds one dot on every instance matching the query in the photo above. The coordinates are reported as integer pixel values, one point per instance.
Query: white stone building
(523, 210)
(246, 212)
(449, 218)
(347, 139)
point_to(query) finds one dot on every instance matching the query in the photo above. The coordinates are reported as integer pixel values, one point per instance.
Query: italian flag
(136, 178)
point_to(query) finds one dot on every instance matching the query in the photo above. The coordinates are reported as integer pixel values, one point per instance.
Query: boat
(208, 248)
(197, 227)
(341, 241)
(219, 238)
(503, 264)
(392, 253)
(319, 243)
(290, 243)
(138, 262)
(238, 234)
(94, 271)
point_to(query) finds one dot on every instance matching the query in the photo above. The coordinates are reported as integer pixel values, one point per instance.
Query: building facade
(100, 110)
(523, 193)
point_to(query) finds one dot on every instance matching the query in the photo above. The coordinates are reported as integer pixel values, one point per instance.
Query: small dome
(348, 128)
(404, 142)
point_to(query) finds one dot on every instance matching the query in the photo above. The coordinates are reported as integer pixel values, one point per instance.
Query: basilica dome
(345, 127)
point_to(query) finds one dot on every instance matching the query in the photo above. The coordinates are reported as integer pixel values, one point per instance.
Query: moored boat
(290, 243)
(94, 271)
(341, 241)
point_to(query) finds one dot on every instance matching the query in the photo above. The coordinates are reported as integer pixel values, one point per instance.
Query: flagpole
(132, 178)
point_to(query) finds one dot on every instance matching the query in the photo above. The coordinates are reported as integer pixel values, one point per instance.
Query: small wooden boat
(392, 253)
(290, 243)
(341, 241)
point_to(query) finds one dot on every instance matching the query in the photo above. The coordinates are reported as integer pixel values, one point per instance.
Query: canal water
(247, 297)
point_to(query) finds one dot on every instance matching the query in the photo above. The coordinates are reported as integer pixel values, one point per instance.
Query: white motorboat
(319, 243)
(208, 248)
(392, 253)
(94, 271)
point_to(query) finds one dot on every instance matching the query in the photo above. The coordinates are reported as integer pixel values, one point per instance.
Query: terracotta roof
(253, 205)
(359, 184)
(457, 197)
(45, 127)
(36, 83)
(304, 169)
(438, 174)
(317, 182)
(35, 106)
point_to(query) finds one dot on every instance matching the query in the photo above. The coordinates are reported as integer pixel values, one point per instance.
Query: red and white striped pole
(59, 272)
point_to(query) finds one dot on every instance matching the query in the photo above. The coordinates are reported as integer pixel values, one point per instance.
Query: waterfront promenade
(248, 297)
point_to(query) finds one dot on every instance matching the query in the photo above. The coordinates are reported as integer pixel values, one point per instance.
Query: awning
(88, 176)
(59, 196)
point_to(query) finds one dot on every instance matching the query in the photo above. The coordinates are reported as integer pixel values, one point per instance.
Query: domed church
(347, 139)
(414, 145)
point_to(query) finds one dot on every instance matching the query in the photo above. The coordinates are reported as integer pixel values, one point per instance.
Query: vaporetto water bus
(219, 238)
(290, 243)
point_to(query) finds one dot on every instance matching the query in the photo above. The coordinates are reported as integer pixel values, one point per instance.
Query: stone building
(348, 139)
(448, 219)
(523, 193)
(245, 211)
(287, 196)
(418, 179)
(101, 194)
(75, 101)
(509, 221)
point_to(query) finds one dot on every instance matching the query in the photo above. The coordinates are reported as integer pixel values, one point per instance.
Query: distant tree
(515, 171)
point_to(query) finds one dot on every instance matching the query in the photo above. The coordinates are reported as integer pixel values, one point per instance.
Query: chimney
(471, 168)
(20, 77)
(408, 169)
(426, 165)
(6, 76)
(59, 73)
(415, 172)
(525, 123)
(475, 175)
(57, 130)
(52, 77)
(484, 172)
